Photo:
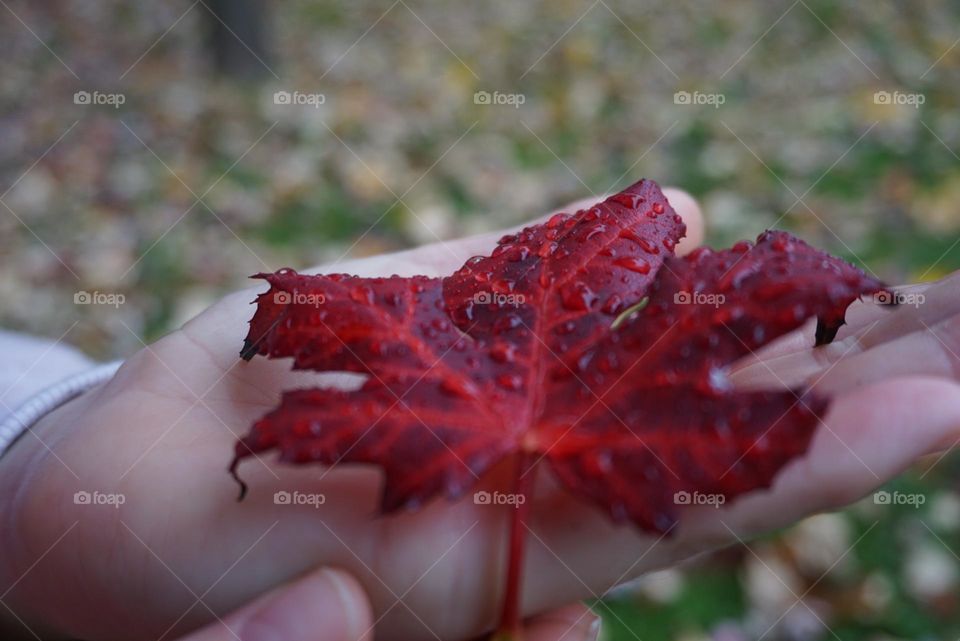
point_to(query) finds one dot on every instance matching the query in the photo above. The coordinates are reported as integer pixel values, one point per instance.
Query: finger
(866, 311)
(921, 304)
(910, 341)
(791, 352)
(441, 258)
(942, 293)
(795, 368)
(918, 310)
(683, 203)
(934, 351)
(869, 436)
(326, 605)
(571, 623)
(688, 208)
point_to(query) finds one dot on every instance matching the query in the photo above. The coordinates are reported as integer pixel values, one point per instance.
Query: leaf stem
(510, 627)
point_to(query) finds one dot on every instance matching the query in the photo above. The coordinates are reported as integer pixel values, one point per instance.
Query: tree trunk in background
(238, 35)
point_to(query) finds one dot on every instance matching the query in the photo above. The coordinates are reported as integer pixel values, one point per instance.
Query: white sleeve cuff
(32, 364)
(34, 408)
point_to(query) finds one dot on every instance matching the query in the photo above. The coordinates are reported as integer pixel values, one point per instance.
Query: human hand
(162, 431)
(329, 605)
(180, 551)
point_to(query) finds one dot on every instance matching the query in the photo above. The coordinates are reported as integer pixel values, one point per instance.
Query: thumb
(325, 605)
(439, 259)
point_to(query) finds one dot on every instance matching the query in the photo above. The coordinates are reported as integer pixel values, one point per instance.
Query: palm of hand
(161, 433)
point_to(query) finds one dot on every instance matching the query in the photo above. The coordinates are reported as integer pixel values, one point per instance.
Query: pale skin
(162, 434)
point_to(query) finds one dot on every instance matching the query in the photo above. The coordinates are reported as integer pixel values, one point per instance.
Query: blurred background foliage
(200, 179)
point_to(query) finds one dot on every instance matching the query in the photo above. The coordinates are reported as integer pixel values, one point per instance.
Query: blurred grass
(109, 206)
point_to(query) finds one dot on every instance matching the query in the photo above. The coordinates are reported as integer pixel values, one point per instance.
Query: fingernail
(326, 600)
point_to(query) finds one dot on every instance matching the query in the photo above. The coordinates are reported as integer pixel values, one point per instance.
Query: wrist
(26, 516)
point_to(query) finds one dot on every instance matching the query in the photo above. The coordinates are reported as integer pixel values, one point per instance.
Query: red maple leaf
(583, 342)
